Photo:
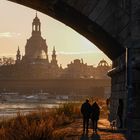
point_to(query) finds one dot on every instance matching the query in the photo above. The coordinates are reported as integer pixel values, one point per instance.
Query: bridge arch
(85, 16)
(65, 13)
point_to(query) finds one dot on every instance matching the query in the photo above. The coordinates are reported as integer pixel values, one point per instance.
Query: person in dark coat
(120, 112)
(86, 110)
(95, 113)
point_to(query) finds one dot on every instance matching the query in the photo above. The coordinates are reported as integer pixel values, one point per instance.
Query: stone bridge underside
(101, 21)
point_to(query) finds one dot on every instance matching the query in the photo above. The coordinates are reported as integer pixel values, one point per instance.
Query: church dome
(36, 47)
(103, 63)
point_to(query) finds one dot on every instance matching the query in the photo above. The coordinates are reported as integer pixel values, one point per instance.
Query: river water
(11, 109)
(11, 103)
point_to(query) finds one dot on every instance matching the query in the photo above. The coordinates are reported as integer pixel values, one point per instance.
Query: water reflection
(11, 103)
(10, 109)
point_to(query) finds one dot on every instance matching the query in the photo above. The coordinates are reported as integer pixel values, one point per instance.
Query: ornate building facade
(79, 69)
(36, 65)
(36, 46)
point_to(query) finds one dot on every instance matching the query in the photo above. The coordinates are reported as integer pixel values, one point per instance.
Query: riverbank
(43, 124)
(38, 125)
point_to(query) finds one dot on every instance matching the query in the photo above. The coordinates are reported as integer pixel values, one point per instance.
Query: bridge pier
(136, 90)
(119, 90)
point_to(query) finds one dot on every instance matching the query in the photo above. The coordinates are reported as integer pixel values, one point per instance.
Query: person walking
(95, 113)
(86, 110)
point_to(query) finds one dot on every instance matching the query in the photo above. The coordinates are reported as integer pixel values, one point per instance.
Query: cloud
(9, 34)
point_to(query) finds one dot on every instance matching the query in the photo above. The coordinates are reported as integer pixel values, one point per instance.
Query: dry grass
(30, 127)
(39, 125)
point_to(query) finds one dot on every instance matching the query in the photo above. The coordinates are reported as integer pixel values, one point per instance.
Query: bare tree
(7, 61)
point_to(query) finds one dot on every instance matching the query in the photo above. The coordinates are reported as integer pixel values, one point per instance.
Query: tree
(7, 61)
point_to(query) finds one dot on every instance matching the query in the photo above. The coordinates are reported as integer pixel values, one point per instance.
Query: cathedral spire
(54, 53)
(36, 26)
(18, 50)
(18, 56)
(54, 61)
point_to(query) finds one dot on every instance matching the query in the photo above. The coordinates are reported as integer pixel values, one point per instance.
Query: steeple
(54, 61)
(36, 26)
(18, 56)
(54, 52)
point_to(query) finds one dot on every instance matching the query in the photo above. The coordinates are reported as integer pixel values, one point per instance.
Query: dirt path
(74, 132)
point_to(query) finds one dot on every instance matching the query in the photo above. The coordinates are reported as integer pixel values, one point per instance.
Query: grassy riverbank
(42, 124)
(39, 125)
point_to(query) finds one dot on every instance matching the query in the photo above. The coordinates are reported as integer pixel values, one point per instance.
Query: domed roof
(103, 63)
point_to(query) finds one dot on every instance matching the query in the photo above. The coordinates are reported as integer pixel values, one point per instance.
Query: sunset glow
(15, 29)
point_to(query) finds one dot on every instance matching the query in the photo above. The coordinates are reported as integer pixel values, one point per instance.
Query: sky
(16, 27)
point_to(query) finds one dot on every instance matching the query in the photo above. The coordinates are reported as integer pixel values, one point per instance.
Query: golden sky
(16, 27)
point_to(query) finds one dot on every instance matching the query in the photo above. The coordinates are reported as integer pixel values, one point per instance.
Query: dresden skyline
(16, 26)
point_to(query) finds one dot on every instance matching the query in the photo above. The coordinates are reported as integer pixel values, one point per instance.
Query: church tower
(36, 27)
(36, 46)
(18, 56)
(54, 61)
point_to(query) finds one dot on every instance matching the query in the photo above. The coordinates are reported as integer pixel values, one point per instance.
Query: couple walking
(90, 112)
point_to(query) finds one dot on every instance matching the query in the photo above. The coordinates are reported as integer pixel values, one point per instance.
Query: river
(11, 103)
